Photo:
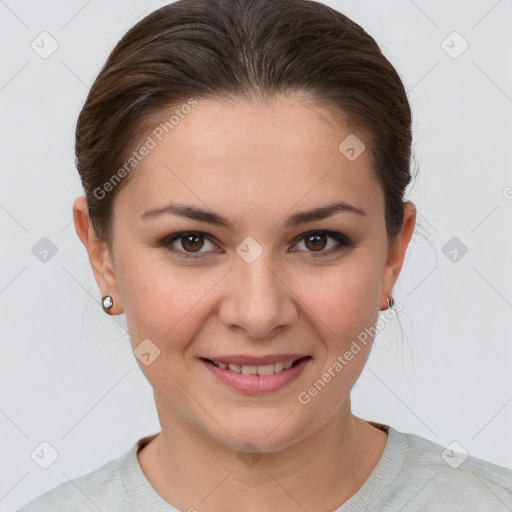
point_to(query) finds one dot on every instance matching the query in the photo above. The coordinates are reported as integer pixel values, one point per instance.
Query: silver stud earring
(391, 302)
(107, 303)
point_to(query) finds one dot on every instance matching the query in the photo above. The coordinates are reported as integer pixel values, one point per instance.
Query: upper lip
(255, 361)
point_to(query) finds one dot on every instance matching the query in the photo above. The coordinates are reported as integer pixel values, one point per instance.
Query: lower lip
(257, 384)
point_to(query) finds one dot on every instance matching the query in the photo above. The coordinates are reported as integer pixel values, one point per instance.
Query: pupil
(194, 245)
(316, 239)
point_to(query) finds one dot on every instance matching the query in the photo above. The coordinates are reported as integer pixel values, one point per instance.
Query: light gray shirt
(413, 474)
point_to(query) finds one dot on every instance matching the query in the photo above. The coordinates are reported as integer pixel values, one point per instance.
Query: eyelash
(166, 242)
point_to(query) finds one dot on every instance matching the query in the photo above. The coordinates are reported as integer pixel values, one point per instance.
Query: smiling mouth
(262, 370)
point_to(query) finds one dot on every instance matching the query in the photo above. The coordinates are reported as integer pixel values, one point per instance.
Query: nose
(258, 300)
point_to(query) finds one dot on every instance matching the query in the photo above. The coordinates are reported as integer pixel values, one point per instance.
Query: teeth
(267, 369)
(264, 369)
(249, 370)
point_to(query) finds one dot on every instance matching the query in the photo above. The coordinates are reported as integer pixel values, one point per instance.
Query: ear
(396, 254)
(100, 255)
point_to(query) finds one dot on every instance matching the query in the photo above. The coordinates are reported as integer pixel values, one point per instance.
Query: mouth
(261, 369)
(256, 379)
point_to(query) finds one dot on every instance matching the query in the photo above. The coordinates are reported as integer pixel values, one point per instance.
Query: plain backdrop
(440, 370)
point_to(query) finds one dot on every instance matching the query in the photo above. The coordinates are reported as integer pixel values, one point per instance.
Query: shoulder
(90, 492)
(437, 475)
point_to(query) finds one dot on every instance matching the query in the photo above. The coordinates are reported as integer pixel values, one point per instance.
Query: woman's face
(255, 286)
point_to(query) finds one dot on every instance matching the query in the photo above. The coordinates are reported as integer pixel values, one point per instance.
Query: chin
(260, 431)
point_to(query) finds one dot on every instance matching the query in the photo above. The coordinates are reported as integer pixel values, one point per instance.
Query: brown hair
(229, 49)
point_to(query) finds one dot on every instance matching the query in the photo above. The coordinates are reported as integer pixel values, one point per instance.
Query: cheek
(343, 305)
(344, 300)
(162, 301)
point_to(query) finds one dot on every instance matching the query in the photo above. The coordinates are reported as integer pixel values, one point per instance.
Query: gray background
(441, 370)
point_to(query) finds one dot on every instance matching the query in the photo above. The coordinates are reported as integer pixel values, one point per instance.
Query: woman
(244, 166)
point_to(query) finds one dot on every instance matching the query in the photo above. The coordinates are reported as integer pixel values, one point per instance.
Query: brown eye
(192, 243)
(188, 244)
(315, 242)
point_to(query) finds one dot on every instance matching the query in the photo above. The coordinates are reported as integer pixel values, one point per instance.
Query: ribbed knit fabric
(411, 475)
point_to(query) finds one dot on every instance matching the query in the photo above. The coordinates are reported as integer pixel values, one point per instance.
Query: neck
(189, 469)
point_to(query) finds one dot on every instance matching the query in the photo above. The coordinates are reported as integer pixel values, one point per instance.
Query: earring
(107, 303)
(391, 302)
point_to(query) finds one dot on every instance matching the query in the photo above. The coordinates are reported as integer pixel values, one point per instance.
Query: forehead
(228, 155)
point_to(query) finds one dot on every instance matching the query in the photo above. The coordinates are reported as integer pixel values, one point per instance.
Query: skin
(255, 165)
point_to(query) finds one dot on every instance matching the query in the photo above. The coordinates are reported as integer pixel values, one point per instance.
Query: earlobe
(99, 255)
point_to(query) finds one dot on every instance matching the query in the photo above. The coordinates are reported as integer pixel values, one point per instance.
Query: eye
(188, 244)
(190, 241)
(316, 241)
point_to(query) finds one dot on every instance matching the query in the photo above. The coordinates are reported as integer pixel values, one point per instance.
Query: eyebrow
(195, 213)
